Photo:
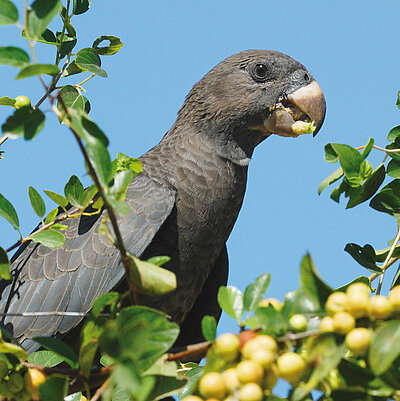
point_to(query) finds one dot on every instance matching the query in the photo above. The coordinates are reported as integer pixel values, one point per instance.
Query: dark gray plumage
(184, 204)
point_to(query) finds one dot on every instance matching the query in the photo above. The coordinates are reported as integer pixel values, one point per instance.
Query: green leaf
(312, 282)
(49, 238)
(193, 375)
(7, 101)
(336, 175)
(86, 128)
(59, 199)
(368, 147)
(5, 273)
(361, 279)
(46, 37)
(101, 162)
(393, 134)
(124, 162)
(230, 299)
(37, 202)
(270, 320)
(8, 212)
(159, 260)
(301, 301)
(55, 388)
(396, 278)
(75, 192)
(393, 168)
(350, 160)
(37, 69)
(121, 183)
(387, 201)
(209, 327)
(8, 13)
(150, 279)
(324, 354)
(88, 60)
(114, 45)
(71, 98)
(68, 40)
(81, 6)
(45, 358)
(16, 350)
(254, 292)
(40, 14)
(330, 154)
(72, 69)
(139, 334)
(385, 346)
(368, 188)
(75, 397)
(59, 348)
(51, 216)
(14, 56)
(365, 256)
(108, 299)
(26, 122)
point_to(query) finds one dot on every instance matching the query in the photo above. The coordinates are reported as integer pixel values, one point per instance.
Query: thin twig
(297, 336)
(190, 350)
(379, 148)
(100, 391)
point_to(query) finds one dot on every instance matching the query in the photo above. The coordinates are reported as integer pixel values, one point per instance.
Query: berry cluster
(253, 365)
(350, 313)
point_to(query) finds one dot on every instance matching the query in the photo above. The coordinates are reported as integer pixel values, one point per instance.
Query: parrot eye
(307, 77)
(260, 71)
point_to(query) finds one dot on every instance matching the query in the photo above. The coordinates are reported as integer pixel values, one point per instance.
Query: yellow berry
(245, 336)
(254, 345)
(291, 367)
(264, 357)
(212, 385)
(380, 307)
(358, 341)
(249, 371)
(276, 304)
(231, 379)
(188, 398)
(251, 392)
(358, 304)
(83, 398)
(394, 298)
(343, 322)
(22, 101)
(358, 288)
(336, 302)
(33, 379)
(298, 322)
(326, 325)
(227, 347)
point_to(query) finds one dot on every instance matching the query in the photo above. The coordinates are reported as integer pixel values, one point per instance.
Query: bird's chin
(301, 112)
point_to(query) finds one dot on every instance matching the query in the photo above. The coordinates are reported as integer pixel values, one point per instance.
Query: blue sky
(351, 48)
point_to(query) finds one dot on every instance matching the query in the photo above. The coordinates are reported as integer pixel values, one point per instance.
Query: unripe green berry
(298, 322)
(343, 322)
(22, 101)
(336, 302)
(3, 369)
(227, 347)
(249, 371)
(380, 307)
(5, 390)
(291, 367)
(326, 325)
(270, 377)
(212, 385)
(251, 392)
(15, 382)
(358, 341)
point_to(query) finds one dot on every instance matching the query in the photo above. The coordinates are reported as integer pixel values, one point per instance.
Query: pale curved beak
(301, 112)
